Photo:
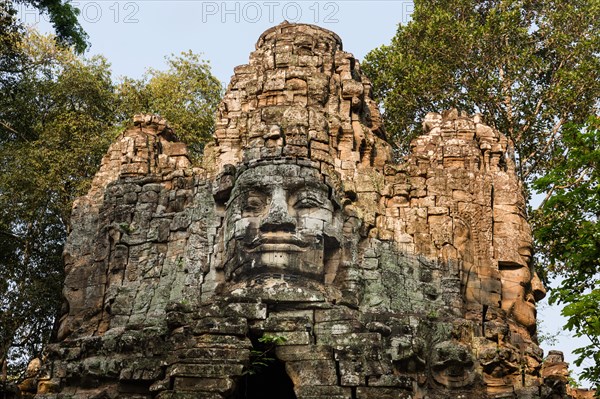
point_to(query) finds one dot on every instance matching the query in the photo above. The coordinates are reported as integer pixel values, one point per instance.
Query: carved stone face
(280, 219)
(521, 286)
(452, 364)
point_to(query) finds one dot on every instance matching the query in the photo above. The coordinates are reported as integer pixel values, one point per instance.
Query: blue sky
(136, 35)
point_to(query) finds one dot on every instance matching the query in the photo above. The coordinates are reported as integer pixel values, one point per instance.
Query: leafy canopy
(58, 114)
(528, 66)
(55, 125)
(63, 17)
(186, 94)
(567, 229)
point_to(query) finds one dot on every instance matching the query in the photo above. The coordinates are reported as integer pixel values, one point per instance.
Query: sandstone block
(319, 372)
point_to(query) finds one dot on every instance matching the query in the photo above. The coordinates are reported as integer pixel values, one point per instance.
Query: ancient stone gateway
(376, 279)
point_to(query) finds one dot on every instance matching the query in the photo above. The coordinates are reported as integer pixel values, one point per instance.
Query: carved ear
(224, 184)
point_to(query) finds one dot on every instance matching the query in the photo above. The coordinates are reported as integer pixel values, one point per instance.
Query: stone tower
(300, 261)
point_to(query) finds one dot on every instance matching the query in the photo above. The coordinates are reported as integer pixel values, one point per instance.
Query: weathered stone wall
(378, 279)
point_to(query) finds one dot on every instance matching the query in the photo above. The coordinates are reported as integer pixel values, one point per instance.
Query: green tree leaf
(568, 235)
(57, 118)
(186, 94)
(528, 67)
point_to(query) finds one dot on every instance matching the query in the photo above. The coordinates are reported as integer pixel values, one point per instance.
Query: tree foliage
(186, 94)
(63, 17)
(568, 232)
(10, 56)
(58, 114)
(528, 66)
(55, 122)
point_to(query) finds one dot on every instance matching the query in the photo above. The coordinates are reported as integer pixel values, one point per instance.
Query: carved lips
(277, 243)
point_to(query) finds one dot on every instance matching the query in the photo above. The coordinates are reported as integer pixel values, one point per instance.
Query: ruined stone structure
(299, 237)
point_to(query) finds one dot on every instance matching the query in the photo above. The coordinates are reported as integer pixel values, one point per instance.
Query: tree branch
(552, 137)
(527, 126)
(562, 187)
(12, 235)
(10, 129)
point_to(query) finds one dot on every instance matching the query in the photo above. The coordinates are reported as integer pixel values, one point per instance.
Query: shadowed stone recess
(380, 279)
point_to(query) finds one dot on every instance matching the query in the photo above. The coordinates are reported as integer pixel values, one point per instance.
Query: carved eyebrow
(241, 193)
(291, 185)
(257, 187)
(260, 191)
(319, 197)
(253, 194)
(299, 184)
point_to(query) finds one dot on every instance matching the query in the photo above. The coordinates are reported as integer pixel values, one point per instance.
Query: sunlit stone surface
(383, 279)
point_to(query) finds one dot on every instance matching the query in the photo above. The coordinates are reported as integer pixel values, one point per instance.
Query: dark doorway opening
(271, 382)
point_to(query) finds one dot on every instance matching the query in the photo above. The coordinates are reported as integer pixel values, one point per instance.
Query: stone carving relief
(383, 279)
(280, 219)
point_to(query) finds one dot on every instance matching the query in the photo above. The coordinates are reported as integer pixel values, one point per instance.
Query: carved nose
(278, 218)
(537, 288)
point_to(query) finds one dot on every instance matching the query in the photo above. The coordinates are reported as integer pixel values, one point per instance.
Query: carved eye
(253, 204)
